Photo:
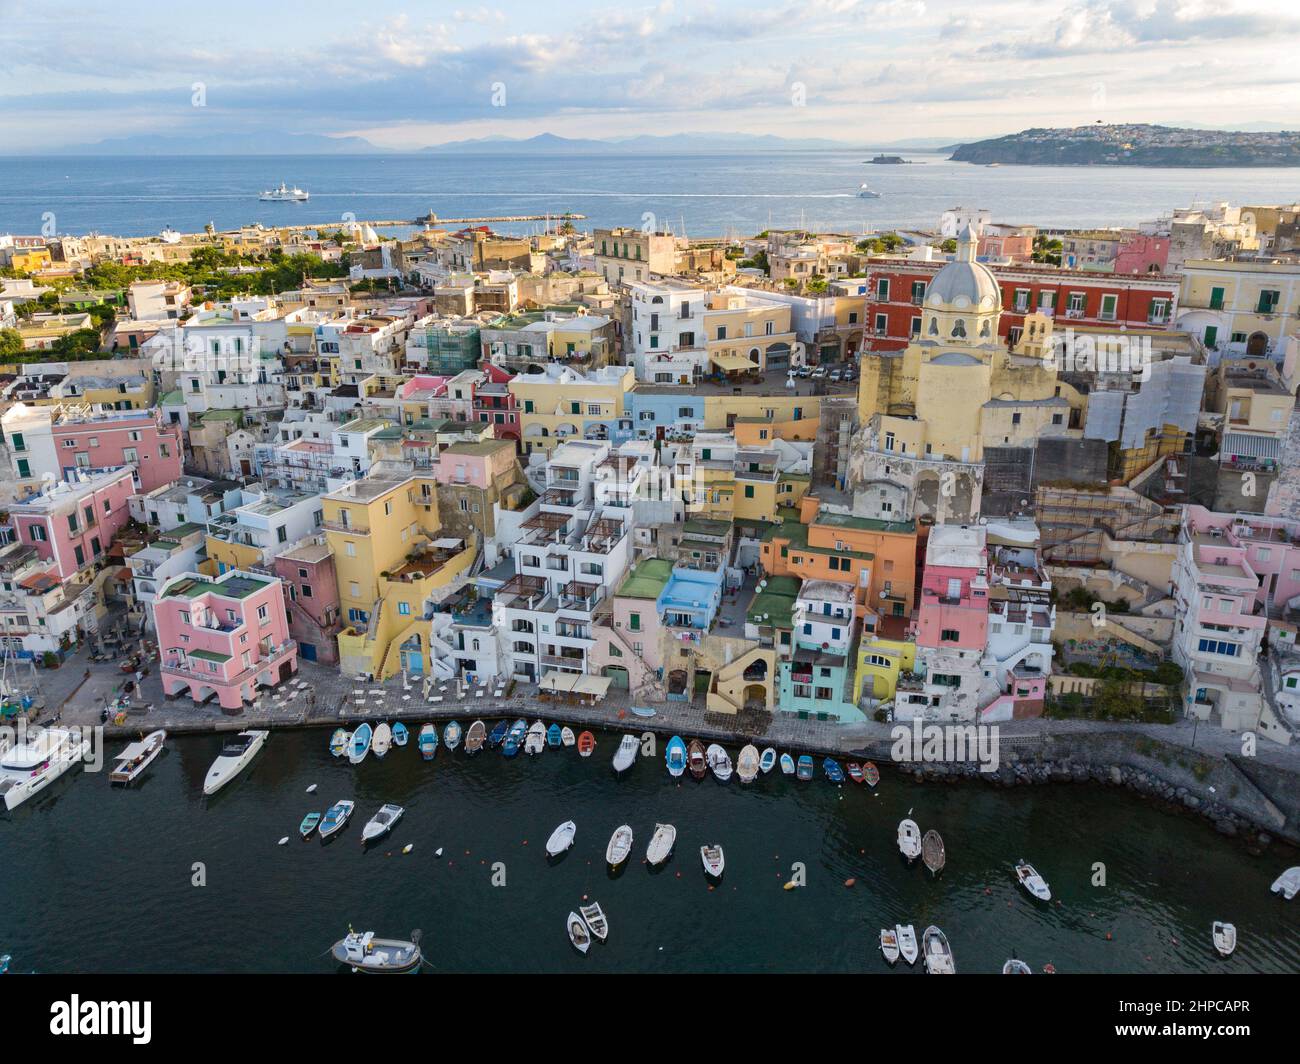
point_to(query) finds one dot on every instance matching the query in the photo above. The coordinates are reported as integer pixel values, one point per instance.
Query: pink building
(1143, 253)
(954, 611)
(311, 590)
(136, 438)
(73, 522)
(223, 636)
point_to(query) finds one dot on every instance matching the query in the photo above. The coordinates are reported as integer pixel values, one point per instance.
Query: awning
(596, 686)
(1248, 445)
(575, 683)
(730, 363)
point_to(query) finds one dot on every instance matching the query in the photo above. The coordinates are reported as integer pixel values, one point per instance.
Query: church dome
(964, 282)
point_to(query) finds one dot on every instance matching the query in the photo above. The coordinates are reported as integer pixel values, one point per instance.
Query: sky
(407, 75)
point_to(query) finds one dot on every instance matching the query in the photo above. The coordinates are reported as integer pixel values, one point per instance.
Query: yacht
(235, 756)
(864, 192)
(44, 756)
(283, 194)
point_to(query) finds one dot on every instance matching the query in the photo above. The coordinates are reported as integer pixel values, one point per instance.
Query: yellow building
(563, 403)
(389, 562)
(1240, 308)
(743, 334)
(880, 663)
(29, 260)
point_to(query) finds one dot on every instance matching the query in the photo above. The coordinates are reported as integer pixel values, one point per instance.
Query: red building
(495, 403)
(896, 291)
(1143, 253)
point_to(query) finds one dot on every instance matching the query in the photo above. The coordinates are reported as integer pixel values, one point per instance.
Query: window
(1108, 304)
(263, 613)
(950, 635)
(634, 622)
(882, 289)
(404, 608)
(281, 534)
(129, 454)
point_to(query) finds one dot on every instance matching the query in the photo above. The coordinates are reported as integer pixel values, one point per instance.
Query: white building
(666, 342)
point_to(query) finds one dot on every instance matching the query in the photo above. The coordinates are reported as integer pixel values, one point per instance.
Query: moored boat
(561, 838)
(661, 844)
(336, 816)
(787, 765)
(400, 734)
(620, 845)
(427, 742)
(308, 825)
(510, 747)
(832, 769)
(907, 942)
(594, 917)
(381, 823)
(675, 756)
(854, 772)
(715, 862)
(535, 738)
(1225, 937)
(767, 761)
(498, 733)
(747, 764)
(932, 851)
(339, 742)
(586, 744)
(719, 762)
(1016, 967)
(625, 755)
(938, 954)
(1035, 884)
(870, 773)
(696, 759)
(362, 952)
(554, 737)
(359, 744)
(578, 933)
(889, 944)
(475, 737)
(804, 771)
(1287, 885)
(451, 735)
(235, 756)
(566, 736)
(382, 739)
(909, 839)
(137, 757)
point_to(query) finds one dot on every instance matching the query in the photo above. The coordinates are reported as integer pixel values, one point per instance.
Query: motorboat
(625, 755)
(1016, 967)
(1287, 885)
(382, 740)
(336, 816)
(535, 739)
(561, 838)
(427, 742)
(909, 839)
(517, 731)
(45, 754)
(475, 737)
(284, 194)
(907, 942)
(137, 757)
(787, 765)
(1035, 884)
(339, 742)
(866, 192)
(696, 759)
(381, 823)
(719, 762)
(675, 756)
(832, 769)
(938, 954)
(400, 734)
(767, 761)
(359, 744)
(586, 744)
(661, 844)
(715, 862)
(451, 735)
(889, 944)
(932, 851)
(1225, 938)
(747, 764)
(620, 845)
(498, 733)
(594, 917)
(578, 933)
(362, 952)
(238, 751)
(804, 771)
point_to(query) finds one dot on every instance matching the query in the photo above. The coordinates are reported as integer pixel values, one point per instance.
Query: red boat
(695, 759)
(586, 744)
(871, 773)
(855, 772)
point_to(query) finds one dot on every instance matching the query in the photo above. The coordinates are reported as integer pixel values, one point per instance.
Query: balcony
(346, 527)
(272, 660)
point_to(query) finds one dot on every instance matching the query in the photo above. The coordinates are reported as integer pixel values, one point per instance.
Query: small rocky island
(1134, 145)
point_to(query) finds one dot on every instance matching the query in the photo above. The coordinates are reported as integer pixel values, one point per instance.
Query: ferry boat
(283, 194)
(31, 766)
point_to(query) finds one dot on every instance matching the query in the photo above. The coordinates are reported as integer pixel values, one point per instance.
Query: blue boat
(359, 744)
(517, 732)
(427, 742)
(497, 735)
(339, 742)
(510, 746)
(554, 736)
(400, 734)
(833, 771)
(805, 769)
(675, 756)
(451, 735)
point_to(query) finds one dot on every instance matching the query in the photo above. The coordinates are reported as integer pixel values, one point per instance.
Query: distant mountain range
(1136, 145)
(225, 144)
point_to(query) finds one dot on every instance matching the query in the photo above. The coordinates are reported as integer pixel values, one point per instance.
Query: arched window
(984, 330)
(959, 328)
(934, 327)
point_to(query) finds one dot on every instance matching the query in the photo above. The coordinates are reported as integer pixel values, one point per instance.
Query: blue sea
(698, 195)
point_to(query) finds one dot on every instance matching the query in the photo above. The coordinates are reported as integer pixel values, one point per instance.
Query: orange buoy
(849, 882)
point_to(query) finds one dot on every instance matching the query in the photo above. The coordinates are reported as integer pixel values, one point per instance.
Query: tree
(1048, 251)
(817, 284)
(76, 345)
(949, 245)
(11, 343)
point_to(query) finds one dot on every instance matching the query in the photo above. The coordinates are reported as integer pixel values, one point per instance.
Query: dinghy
(1016, 967)
(400, 734)
(236, 754)
(382, 739)
(909, 839)
(870, 773)
(535, 740)
(566, 736)
(359, 744)
(427, 742)
(1225, 938)
(1287, 885)
(625, 755)
(586, 744)
(938, 954)
(932, 851)
(832, 769)
(661, 844)
(362, 952)
(335, 817)
(854, 772)
(554, 736)
(308, 825)
(339, 742)
(517, 731)
(137, 757)
(381, 823)
(594, 917)
(907, 942)
(805, 770)
(889, 944)
(620, 845)
(511, 746)
(720, 762)
(561, 838)
(768, 761)
(498, 734)
(696, 759)
(675, 756)
(451, 735)
(475, 737)
(787, 765)
(747, 764)
(1035, 884)
(578, 933)
(715, 862)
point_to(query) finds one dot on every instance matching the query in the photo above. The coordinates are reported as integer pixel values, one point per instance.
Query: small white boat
(1016, 967)
(661, 844)
(561, 838)
(719, 761)
(234, 758)
(475, 737)
(362, 952)
(535, 740)
(715, 862)
(594, 917)
(137, 757)
(865, 192)
(336, 816)
(339, 741)
(625, 755)
(382, 739)
(567, 737)
(938, 954)
(1032, 881)
(381, 823)
(907, 942)
(620, 845)
(787, 765)
(578, 933)
(1287, 884)
(284, 194)
(1225, 938)
(451, 735)
(889, 944)
(359, 744)
(747, 764)
(909, 839)
(768, 761)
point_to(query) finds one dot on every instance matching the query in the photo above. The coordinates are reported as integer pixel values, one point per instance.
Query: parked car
(819, 373)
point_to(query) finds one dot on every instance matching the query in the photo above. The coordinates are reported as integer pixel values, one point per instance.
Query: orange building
(832, 546)
(761, 431)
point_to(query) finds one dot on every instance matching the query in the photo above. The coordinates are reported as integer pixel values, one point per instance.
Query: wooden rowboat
(932, 851)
